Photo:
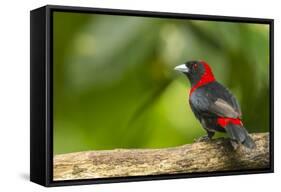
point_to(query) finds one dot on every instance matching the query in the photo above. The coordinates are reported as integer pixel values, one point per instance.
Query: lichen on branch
(214, 155)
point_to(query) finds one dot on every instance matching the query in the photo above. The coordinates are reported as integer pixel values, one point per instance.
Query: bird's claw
(204, 138)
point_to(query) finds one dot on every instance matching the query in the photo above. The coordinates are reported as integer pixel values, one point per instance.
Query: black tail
(240, 134)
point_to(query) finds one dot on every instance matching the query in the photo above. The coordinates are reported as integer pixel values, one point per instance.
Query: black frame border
(44, 175)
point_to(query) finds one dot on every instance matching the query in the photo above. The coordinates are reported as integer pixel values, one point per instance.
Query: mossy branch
(215, 155)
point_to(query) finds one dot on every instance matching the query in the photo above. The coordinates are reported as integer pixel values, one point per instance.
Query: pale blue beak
(182, 68)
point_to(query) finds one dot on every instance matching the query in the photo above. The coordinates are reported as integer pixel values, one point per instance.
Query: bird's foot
(204, 138)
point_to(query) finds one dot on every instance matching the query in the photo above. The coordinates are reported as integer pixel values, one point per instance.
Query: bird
(214, 105)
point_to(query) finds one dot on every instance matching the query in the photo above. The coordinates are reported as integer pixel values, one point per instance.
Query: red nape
(224, 121)
(206, 78)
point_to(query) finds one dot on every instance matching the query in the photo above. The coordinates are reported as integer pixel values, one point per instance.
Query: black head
(195, 70)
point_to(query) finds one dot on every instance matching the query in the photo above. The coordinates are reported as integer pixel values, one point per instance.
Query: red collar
(206, 78)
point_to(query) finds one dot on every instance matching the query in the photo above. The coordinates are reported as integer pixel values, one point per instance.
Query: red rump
(224, 121)
(206, 78)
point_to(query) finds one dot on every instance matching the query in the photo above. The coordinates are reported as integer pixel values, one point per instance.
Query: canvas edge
(47, 159)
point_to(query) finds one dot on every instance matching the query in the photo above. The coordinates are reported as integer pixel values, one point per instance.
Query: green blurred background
(115, 87)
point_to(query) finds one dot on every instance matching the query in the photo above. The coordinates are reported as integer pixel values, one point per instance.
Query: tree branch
(215, 155)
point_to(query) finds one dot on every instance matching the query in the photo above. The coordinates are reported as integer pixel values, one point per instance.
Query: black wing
(215, 100)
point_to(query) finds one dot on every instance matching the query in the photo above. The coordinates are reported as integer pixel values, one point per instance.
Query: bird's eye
(195, 66)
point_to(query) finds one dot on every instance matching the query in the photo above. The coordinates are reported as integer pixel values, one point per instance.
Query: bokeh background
(115, 87)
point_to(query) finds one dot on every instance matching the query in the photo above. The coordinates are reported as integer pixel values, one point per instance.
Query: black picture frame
(41, 116)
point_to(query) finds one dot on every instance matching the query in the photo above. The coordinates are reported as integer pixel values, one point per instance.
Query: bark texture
(215, 155)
